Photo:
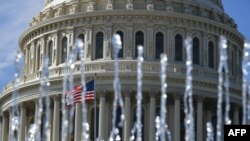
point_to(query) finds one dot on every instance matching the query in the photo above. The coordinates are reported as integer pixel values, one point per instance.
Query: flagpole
(94, 111)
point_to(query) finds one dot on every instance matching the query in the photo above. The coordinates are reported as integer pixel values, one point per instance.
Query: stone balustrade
(129, 66)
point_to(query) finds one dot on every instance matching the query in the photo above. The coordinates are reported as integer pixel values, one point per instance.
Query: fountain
(246, 85)
(188, 96)
(118, 101)
(162, 128)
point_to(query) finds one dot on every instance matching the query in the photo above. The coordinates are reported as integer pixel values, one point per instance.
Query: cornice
(99, 17)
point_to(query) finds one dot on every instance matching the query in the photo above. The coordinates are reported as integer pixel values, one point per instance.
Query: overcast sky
(16, 14)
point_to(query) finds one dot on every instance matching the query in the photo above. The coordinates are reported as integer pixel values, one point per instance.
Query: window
(210, 55)
(120, 54)
(139, 40)
(178, 47)
(159, 43)
(196, 47)
(81, 37)
(64, 49)
(99, 46)
(50, 50)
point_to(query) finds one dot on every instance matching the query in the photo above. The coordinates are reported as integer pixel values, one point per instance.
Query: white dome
(51, 3)
(215, 4)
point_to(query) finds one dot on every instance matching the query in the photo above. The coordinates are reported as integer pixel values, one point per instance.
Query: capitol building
(161, 26)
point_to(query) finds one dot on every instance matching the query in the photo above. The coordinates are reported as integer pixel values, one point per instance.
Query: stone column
(23, 123)
(42, 50)
(170, 43)
(37, 57)
(199, 120)
(56, 120)
(10, 124)
(102, 127)
(108, 111)
(55, 50)
(32, 57)
(36, 117)
(88, 43)
(107, 48)
(149, 47)
(177, 118)
(209, 116)
(70, 36)
(128, 44)
(4, 136)
(171, 117)
(236, 114)
(26, 61)
(204, 50)
(36, 109)
(78, 122)
(152, 118)
(127, 121)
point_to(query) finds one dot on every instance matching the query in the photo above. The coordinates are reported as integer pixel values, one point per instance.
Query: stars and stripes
(78, 91)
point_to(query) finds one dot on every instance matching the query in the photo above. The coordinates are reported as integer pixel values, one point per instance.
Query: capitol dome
(215, 4)
(161, 26)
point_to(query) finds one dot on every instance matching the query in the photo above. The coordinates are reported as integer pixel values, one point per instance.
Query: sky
(15, 16)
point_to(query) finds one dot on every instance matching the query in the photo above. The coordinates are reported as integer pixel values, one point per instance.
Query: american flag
(77, 93)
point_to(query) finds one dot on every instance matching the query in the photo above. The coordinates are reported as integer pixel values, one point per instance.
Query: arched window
(81, 37)
(38, 57)
(99, 46)
(50, 51)
(210, 55)
(159, 43)
(178, 47)
(64, 49)
(196, 46)
(139, 40)
(120, 54)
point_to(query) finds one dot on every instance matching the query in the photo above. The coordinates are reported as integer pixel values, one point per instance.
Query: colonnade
(174, 119)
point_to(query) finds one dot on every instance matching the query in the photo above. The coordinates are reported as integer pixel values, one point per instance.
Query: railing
(174, 70)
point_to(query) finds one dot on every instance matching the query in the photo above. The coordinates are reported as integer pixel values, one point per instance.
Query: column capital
(236, 106)
(4, 113)
(35, 101)
(127, 93)
(177, 96)
(9, 110)
(56, 98)
(102, 94)
(152, 94)
(22, 105)
(200, 99)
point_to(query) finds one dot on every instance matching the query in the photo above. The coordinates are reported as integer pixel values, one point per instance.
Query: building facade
(161, 26)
